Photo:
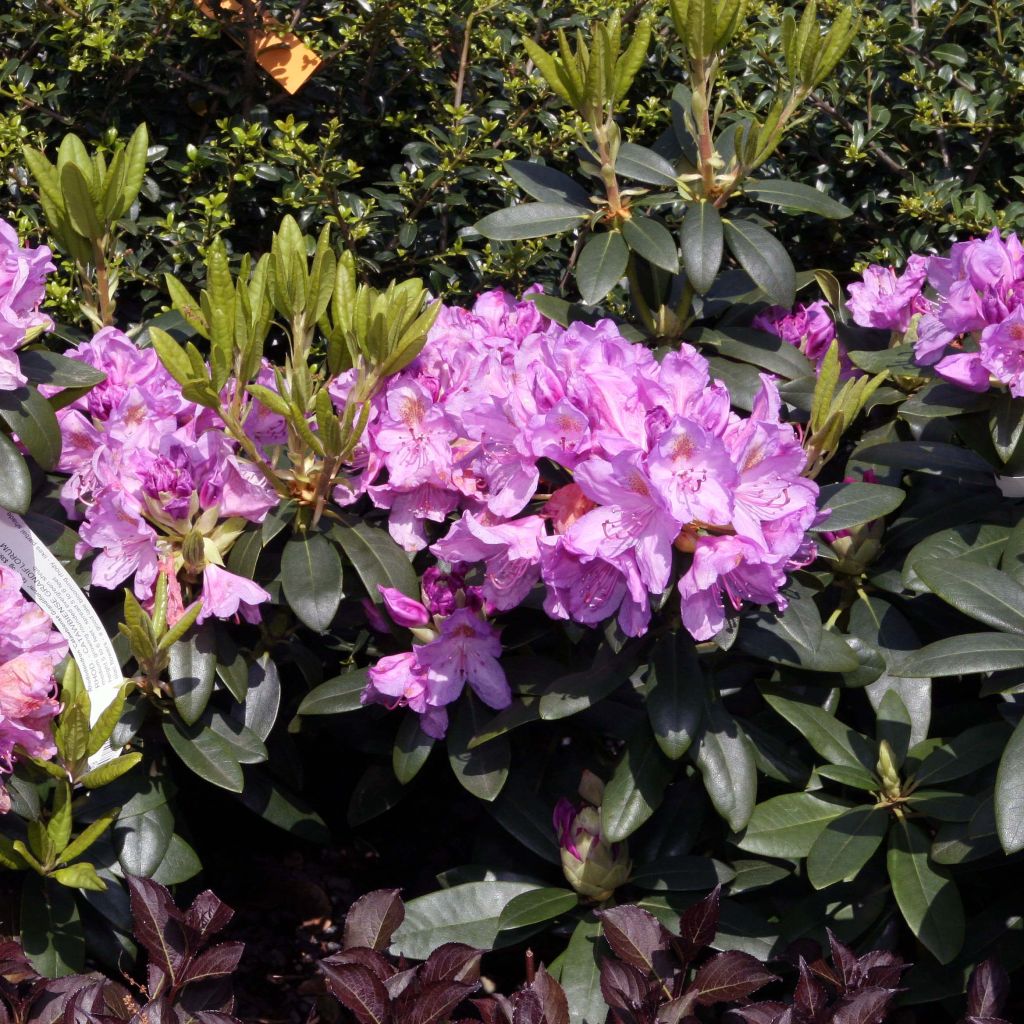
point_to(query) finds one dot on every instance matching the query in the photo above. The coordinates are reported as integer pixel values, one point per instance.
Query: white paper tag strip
(50, 585)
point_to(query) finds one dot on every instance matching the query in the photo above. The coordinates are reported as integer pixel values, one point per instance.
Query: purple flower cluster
(973, 330)
(30, 649)
(577, 460)
(809, 328)
(148, 470)
(459, 647)
(22, 288)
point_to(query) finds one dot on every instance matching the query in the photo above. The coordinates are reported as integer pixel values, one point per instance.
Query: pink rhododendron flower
(30, 650)
(23, 273)
(806, 327)
(147, 468)
(226, 595)
(467, 651)
(887, 301)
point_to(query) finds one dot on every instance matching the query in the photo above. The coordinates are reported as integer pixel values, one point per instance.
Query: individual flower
(225, 595)
(809, 328)
(23, 272)
(30, 650)
(887, 300)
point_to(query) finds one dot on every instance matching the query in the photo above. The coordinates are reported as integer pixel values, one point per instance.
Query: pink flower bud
(404, 610)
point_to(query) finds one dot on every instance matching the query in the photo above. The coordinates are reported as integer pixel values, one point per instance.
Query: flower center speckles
(410, 412)
(683, 447)
(1016, 332)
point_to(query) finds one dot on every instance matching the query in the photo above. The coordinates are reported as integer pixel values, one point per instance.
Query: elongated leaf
(764, 259)
(467, 913)
(725, 759)
(788, 825)
(377, 558)
(601, 264)
(336, 696)
(653, 241)
(857, 503)
(972, 749)
(545, 183)
(681, 874)
(965, 654)
(79, 203)
(702, 242)
(531, 220)
(1009, 794)
(411, 750)
(932, 456)
(42, 367)
(15, 480)
(536, 906)
(795, 196)
(834, 741)
(311, 578)
(581, 975)
(642, 164)
(636, 788)
(675, 693)
(193, 667)
(51, 931)
(484, 769)
(985, 594)
(927, 897)
(32, 418)
(846, 844)
(141, 839)
(206, 753)
(796, 638)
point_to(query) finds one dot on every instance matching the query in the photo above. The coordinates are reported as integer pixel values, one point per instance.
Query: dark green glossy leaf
(834, 741)
(675, 693)
(536, 906)
(192, 668)
(642, 164)
(580, 975)
(377, 558)
(763, 257)
(681, 874)
(636, 788)
(985, 594)
(15, 479)
(846, 844)
(724, 757)
(927, 897)
(337, 695)
(532, 220)
(653, 241)
(32, 418)
(312, 580)
(483, 769)
(42, 367)
(1009, 794)
(411, 750)
(972, 749)
(602, 262)
(545, 183)
(209, 756)
(467, 913)
(795, 196)
(51, 931)
(965, 654)
(178, 864)
(857, 503)
(788, 825)
(701, 240)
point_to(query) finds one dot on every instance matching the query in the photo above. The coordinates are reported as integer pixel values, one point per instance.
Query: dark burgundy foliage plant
(375, 988)
(657, 977)
(188, 979)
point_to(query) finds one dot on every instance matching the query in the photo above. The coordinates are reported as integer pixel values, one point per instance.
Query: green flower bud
(592, 866)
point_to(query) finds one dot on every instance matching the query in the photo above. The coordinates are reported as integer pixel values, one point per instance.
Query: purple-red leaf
(453, 961)
(158, 925)
(844, 961)
(431, 1003)
(624, 986)
(986, 1020)
(370, 958)
(810, 997)
(868, 1006)
(878, 969)
(215, 1017)
(636, 937)
(359, 990)
(698, 925)
(729, 976)
(675, 1011)
(208, 915)
(552, 998)
(400, 981)
(987, 990)
(373, 918)
(528, 1008)
(214, 963)
(757, 1013)
(160, 1011)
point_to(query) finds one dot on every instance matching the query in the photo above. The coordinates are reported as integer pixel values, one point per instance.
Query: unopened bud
(193, 552)
(592, 866)
(887, 770)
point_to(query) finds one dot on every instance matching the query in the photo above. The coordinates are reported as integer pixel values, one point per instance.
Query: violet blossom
(23, 272)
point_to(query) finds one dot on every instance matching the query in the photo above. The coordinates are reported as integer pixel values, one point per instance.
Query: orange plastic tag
(286, 58)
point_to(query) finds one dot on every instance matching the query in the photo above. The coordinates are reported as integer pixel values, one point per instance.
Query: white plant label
(50, 585)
